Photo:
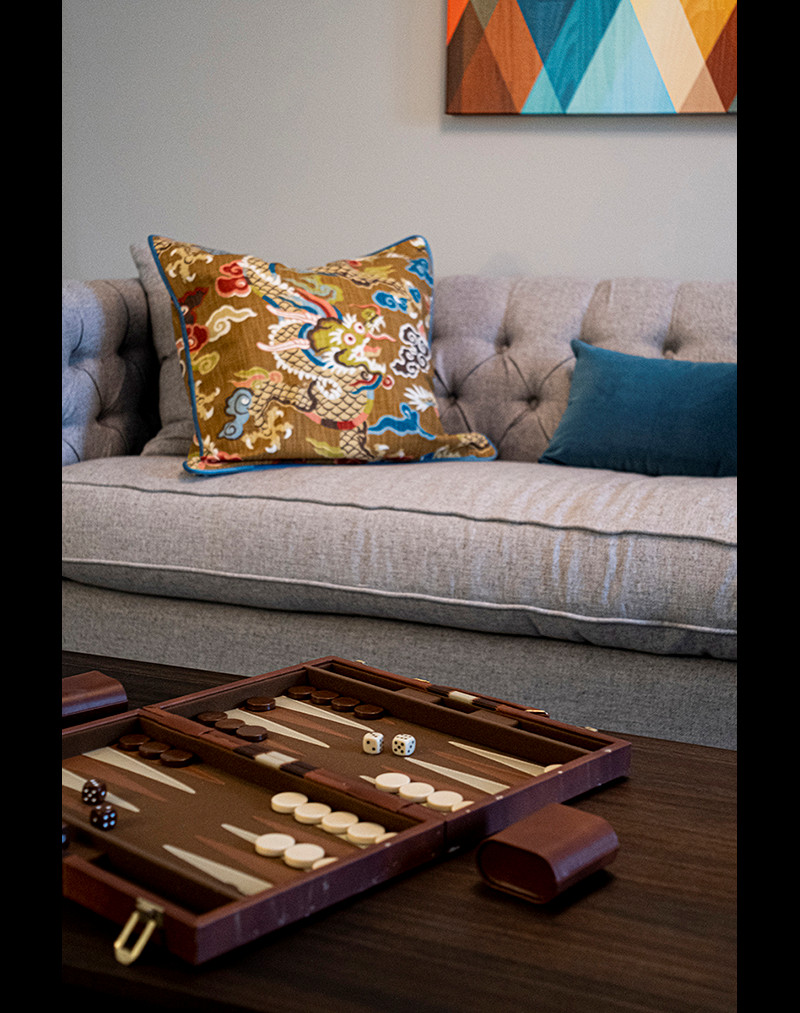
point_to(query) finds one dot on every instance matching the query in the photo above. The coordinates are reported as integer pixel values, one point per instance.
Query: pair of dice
(102, 816)
(402, 745)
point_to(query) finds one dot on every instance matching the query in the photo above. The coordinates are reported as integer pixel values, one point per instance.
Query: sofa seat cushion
(611, 558)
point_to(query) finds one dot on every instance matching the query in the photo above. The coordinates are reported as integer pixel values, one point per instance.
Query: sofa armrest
(109, 380)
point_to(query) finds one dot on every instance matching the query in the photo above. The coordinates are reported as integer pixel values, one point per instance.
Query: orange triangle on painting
(722, 62)
(455, 8)
(483, 89)
(465, 40)
(515, 52)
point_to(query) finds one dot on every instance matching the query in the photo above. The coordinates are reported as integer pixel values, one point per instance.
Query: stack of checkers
(220, 721)
(345, 825)
(421, 791)
(336, 702)
(150, 749)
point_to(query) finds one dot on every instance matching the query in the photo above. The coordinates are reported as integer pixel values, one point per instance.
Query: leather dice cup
(541, 856)
(89, 696)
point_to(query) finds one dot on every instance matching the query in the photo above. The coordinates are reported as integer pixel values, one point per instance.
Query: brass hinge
(144, 920)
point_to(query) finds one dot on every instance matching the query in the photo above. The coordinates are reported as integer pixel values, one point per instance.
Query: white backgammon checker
(391, 781)
(444, 801)
(415, 791)
(338, 822)
(365, 833)
(273, 845)
(288, 801)
(311, 813)
(303, 856)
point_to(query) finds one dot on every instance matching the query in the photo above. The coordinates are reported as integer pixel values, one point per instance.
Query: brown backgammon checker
(546, 853)
(220, 839)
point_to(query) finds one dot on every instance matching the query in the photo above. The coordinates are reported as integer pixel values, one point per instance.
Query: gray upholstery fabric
(107, 370)
(502, 346)
(612, 595)
(501, 547)
(689, 699)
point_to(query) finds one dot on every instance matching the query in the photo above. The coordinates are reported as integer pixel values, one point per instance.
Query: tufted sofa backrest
(108, 369)
(501, 348)
(502, 345)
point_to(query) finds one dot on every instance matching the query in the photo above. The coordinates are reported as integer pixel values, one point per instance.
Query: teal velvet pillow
(651, 416)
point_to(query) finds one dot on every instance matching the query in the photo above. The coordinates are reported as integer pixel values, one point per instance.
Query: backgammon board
(214, 819)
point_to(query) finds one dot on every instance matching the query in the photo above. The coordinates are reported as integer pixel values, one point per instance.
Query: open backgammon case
(224, 815)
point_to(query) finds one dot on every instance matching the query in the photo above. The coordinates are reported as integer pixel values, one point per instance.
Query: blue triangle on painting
(544, 19)
(577, 41)
(622, 76)
(542, 99)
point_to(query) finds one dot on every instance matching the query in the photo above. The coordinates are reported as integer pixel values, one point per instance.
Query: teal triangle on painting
(541, 98)
(622, 76)
(575, 46)
(544, 21)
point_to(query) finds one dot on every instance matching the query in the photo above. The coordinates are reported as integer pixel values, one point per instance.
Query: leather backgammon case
(211, 820)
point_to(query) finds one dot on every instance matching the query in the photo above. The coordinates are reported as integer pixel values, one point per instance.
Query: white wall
(307, 130)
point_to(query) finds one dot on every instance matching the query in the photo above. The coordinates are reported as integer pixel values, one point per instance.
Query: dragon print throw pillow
(326, 365)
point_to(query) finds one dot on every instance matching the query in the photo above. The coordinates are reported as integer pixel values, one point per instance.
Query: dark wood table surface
(654, 933)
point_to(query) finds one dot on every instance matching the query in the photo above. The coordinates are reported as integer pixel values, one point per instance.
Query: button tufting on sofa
(107, 370)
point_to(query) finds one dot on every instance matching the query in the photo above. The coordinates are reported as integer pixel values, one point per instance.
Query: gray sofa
(608, 598)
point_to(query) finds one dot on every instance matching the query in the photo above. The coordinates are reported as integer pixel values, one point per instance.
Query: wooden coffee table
(654, 932)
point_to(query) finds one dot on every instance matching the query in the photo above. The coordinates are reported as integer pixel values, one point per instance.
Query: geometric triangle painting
(586, 57)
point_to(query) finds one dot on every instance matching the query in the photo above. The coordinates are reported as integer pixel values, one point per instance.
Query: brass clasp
(147, 916)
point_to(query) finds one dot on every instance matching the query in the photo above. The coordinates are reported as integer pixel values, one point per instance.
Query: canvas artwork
(584, 57)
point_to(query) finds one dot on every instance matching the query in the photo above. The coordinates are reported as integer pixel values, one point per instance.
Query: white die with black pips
(403, 744)
(372, 742)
